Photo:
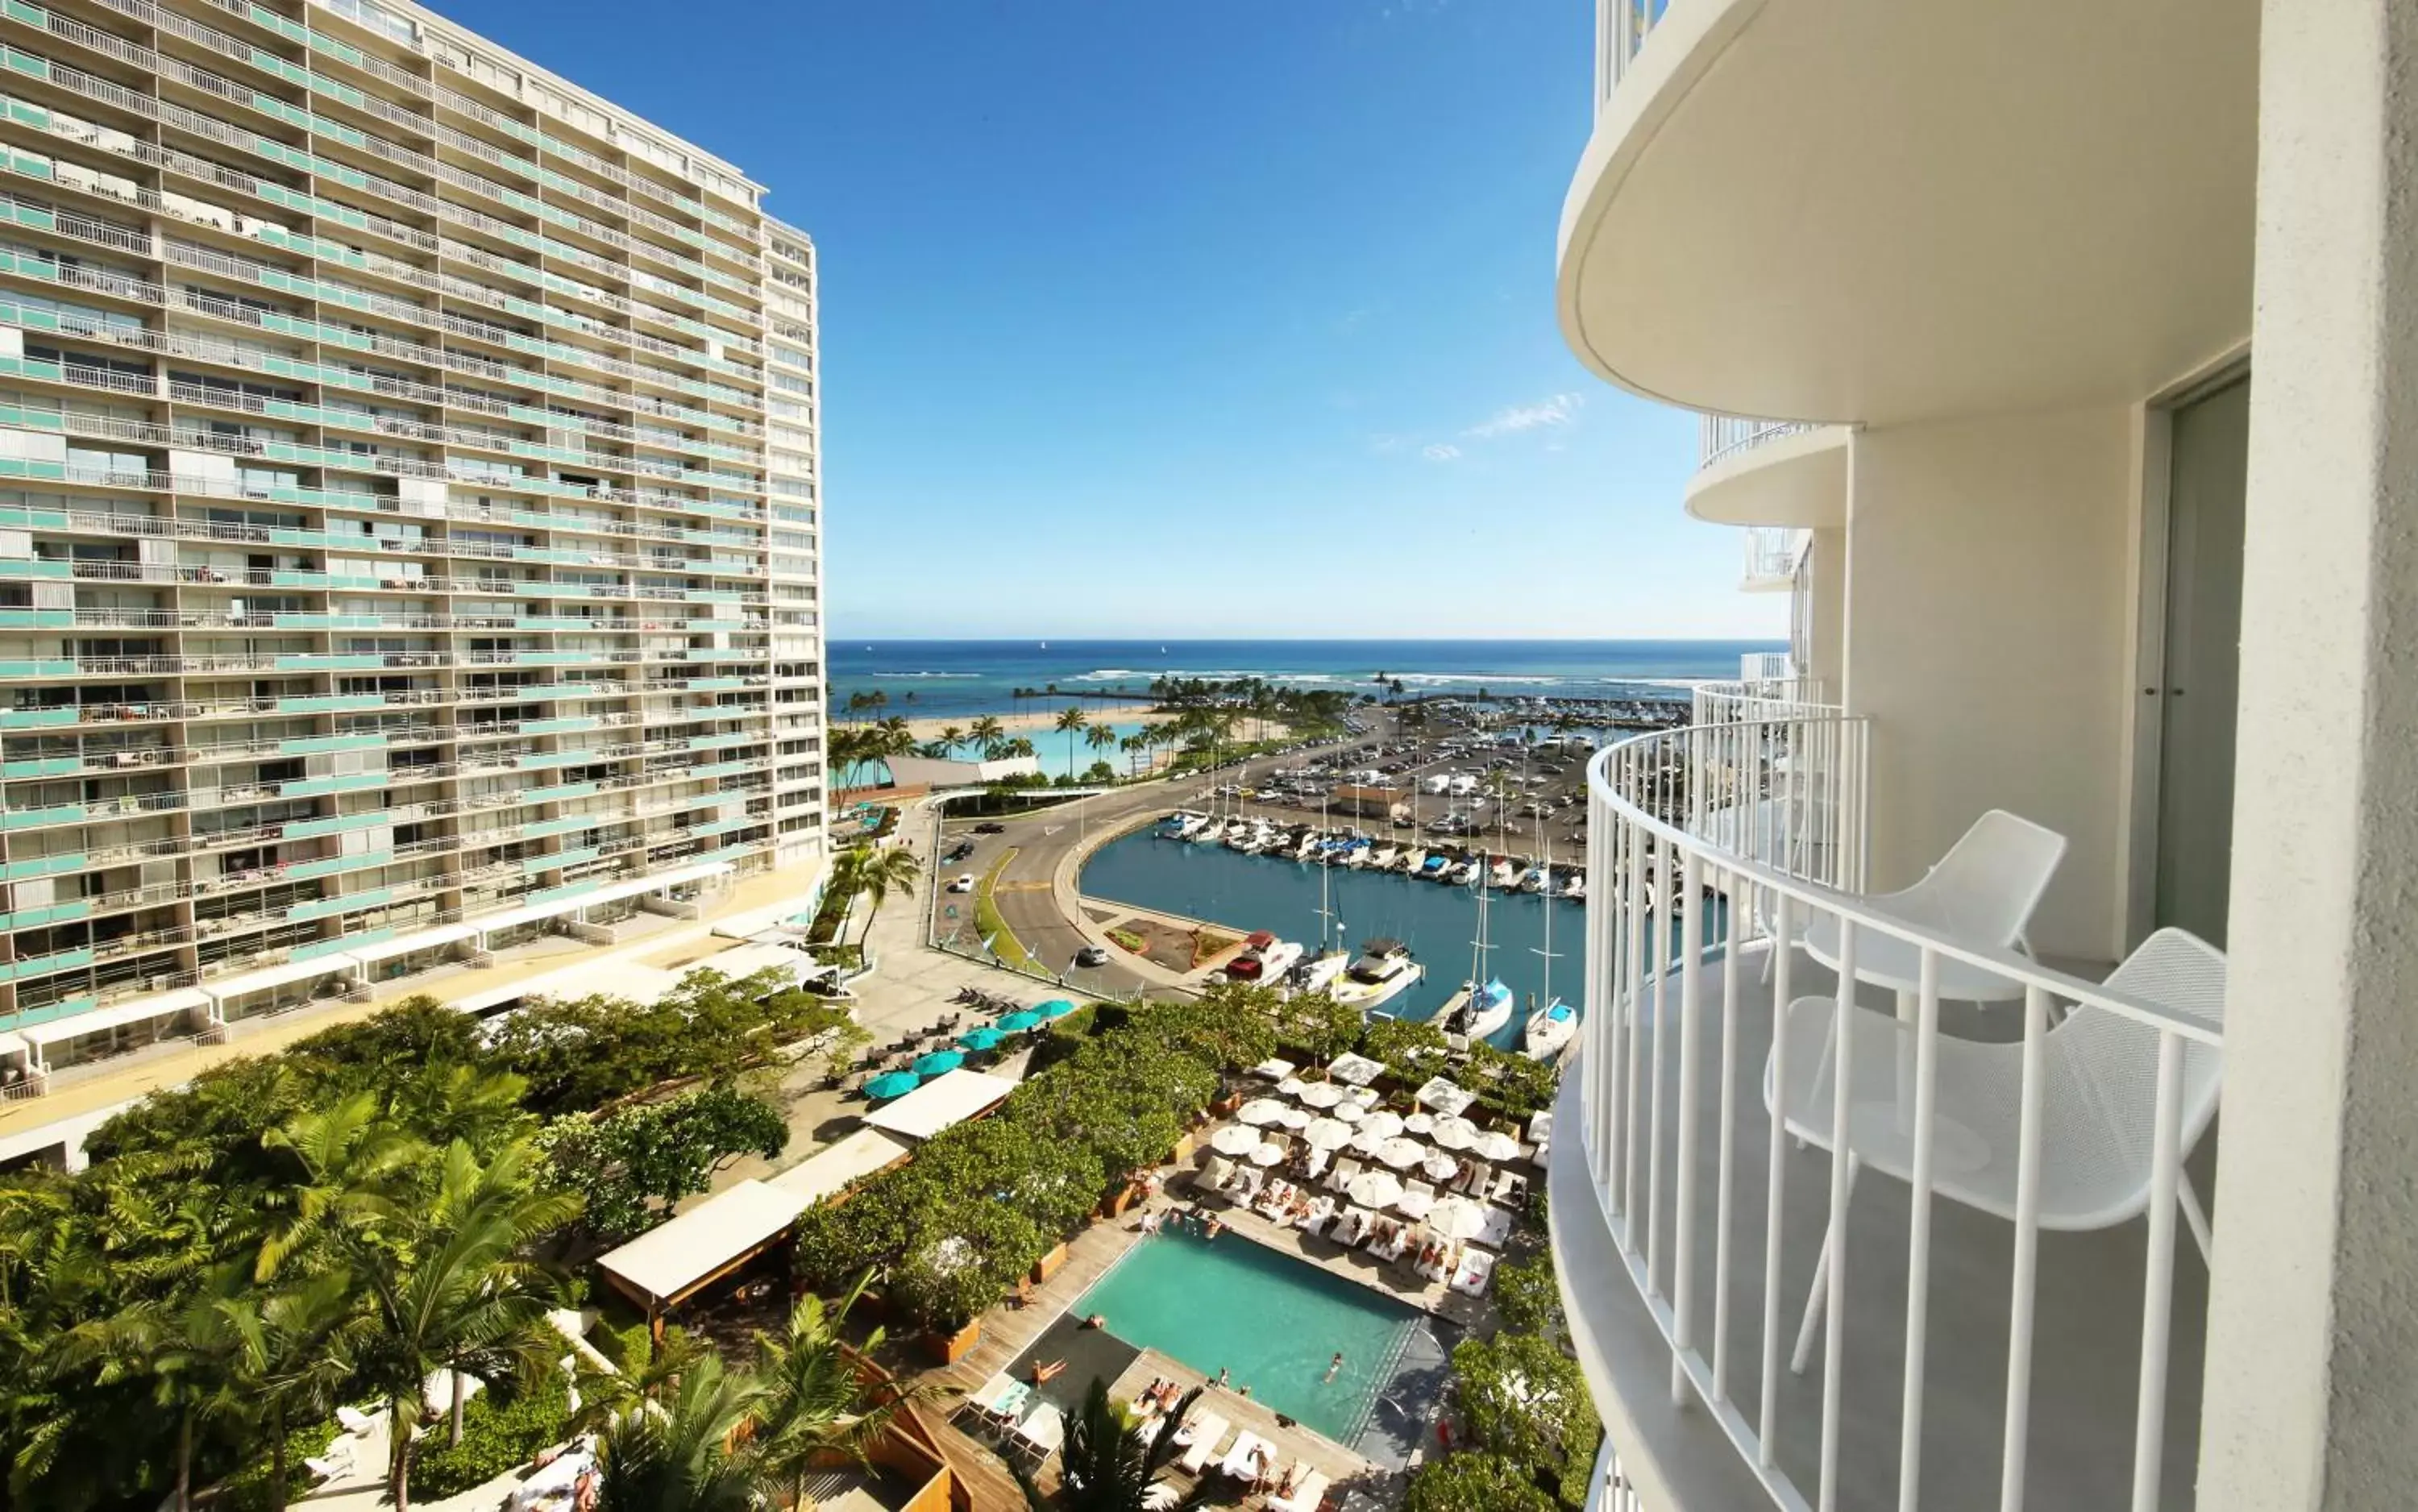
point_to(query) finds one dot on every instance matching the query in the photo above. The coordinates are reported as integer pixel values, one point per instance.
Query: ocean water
(963, 679)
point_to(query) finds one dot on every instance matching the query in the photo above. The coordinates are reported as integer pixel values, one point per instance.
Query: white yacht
(1550, 1031)
(1385, 857)
(1384, 973)
(1476, 1012)
(1319, 974)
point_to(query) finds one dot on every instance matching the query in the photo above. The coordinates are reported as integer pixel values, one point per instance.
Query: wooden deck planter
(948, 1348)
(1047, 1266)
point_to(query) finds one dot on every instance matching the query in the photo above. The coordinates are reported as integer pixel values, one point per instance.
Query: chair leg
(2194, 1214)
(1814, 1300)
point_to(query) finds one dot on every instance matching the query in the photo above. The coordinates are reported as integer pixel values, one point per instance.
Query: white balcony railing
(1773, 554)
(1720, 437)
(1963, 1358)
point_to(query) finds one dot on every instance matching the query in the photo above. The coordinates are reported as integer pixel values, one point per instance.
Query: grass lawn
(987, 922)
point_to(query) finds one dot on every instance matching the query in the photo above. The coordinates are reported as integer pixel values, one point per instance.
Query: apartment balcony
(1889, 211)
(1772, 558)
(1980, 1341)
(1760, 472)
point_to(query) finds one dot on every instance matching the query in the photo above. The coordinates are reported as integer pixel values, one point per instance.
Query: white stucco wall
(2312, 1375)
(1826, 583)
(1988, 637)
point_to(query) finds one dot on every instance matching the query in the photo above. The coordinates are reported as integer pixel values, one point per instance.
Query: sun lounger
(1320, 1213)
(1040, 1434)
(1498, 1228)
(1319, 1160)
(332, 1461)
(1272, 1202)
(1248, 1459)
(1201, 1435)
(1390, 1249)
(356, 1422)
(1307, 1493)
(1477, 1268)
(1351, 1227)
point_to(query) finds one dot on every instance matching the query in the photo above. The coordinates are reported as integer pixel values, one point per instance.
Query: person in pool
(1335, 1366)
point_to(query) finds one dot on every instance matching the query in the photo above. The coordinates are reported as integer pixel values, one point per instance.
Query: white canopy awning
(610, 893)
(843, 1165)
(623, 979)
(743, 960)
(182, 1001)
(668, 1263)
(277, 976)
(386, 949)
(755, 922)
(946, 1100)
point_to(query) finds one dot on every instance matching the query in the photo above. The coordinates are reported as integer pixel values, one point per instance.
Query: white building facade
(409, 514)
(2084, 344)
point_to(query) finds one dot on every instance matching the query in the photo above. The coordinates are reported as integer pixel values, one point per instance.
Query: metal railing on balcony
(1773, 554)
(1720, 437)
(1722, 852)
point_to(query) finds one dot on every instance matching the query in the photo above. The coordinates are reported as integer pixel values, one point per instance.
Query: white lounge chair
(2097, 1101)
(1477, 1268)
(1322, 1213)
(1319, 1161)
(1307, 1493)
(1982, 891)
(1040, 1432)
(1248, 1459)
(1201, 1435)
(356, 1422)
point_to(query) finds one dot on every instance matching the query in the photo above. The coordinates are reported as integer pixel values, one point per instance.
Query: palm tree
(1133, 746)
(1106, 1468)
(817, 1398)
(952, 737)
(193, 1353)
(990, 734)
(1070, 723)
(298, 1349)
(679, 1456)
(1100, 738)
(878, 873)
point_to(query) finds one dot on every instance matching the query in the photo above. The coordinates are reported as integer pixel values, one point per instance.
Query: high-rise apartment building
(2061, 360)
(409, 524)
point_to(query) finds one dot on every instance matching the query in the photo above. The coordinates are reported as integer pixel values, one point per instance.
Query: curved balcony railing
(1962, 1360)
(1720, 437)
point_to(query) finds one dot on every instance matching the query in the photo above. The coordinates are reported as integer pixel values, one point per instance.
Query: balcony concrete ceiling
(1895, 210)
(1798, 481)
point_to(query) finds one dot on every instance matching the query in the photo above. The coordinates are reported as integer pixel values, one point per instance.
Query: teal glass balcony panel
(723, 741)
(342, 903)
(49, 1013)
(538, 829)
(724, 826)
(335, 824)
(329, 662)
(56, 913)
(36, 619)
(567, 726)
(726, 769)
(38, 667)
(560, 793)
(17, 871)
(42, 767)
(313, 950)
(22, 568)
(66, 960)
(713, 684)
(332, 865)
(331, 703)
(38, 818)
(36, 719)
(532, 864)
(317, 786)
(569, 890)
(319, 744)
(552, 758)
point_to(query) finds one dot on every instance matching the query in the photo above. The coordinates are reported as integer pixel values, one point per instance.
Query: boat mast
(1326, 873)
(1545, 897)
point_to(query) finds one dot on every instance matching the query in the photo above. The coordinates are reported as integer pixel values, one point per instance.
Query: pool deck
(1008, 1331)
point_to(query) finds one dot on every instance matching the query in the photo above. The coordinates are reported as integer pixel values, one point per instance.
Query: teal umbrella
(1055, 1008)
(891, 1084)
(985, 1038)
(937, 1061)
(1017, 1022)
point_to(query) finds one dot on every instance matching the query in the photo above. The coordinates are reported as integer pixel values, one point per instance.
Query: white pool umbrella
(1415, 1204)
(1355, 1068)
(1457, 1217)
(1454, 1133)
(1290, 1087)
(1295, 1118)
(1261, 1111)
(1374, 1188)
(1400, 1154)
(1439, 1168)
(1327, 1133)
(1267, 1155)
(1495, 1145)
(1322, 1094)
(1385, 1125)
(1350, 1112)
(1366, 1097)
(1418, 1123)
(1234, 1139)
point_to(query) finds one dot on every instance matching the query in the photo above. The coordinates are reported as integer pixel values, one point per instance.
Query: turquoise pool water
(1271, 1322)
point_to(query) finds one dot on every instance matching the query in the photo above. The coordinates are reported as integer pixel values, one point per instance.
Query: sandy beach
(1032, 724)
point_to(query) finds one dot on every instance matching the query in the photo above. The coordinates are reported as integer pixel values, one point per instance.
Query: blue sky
(1223, 318)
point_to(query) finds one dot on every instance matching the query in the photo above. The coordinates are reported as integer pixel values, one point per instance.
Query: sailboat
(1319, 974)
(1479, 1011)
(1550, 1028)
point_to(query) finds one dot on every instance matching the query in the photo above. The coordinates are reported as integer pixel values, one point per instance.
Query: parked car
(1090, 955)
(965, 883)
(990, 827)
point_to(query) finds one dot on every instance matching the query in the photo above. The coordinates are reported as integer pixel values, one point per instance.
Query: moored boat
(1384, 973)
(1550, 1029)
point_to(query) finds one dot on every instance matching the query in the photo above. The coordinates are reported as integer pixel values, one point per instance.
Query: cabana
(944, 1102)
(833, 1171)
(668, 1264)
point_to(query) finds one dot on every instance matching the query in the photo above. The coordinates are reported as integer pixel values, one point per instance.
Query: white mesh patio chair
(2098, 1101)
(1981, 893)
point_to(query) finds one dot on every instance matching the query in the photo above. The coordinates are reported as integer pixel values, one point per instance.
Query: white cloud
(1558, 410)
(1440, 452)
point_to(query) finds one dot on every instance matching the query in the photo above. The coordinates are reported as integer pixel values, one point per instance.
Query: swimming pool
(1271, 1322)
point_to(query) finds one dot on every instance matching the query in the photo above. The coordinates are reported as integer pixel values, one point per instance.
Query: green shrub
(498, 1432)
(247, 1490)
